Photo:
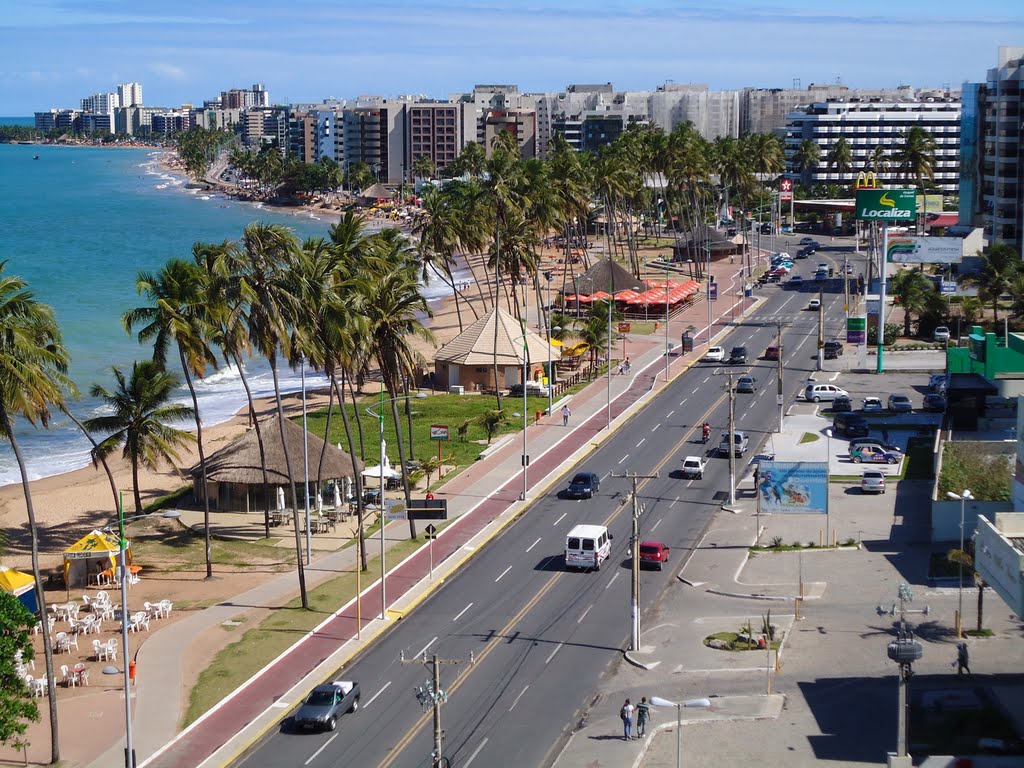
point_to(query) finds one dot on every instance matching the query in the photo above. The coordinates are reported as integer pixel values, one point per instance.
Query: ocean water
(79, 224)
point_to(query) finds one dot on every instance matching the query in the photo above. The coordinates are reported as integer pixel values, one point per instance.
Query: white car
(941, 333)
(872, 405)
(715, 354)
(693, 466)
(814, 305)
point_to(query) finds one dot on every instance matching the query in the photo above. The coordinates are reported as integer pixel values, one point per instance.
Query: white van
(587, 546)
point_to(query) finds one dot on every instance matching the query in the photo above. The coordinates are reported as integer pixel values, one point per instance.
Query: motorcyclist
(706, 429)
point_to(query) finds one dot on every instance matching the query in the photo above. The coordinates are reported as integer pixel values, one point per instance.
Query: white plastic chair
(166, 606)
(139, 620)
(67, 677)
(111, 650)
(99, 650)
(61, 643)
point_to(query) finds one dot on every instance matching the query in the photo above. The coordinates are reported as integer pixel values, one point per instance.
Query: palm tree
(840, 156)
(177, 313)
(915, 293)
(966, 557)
(138, 425)
(767, 154)
(916, 159)
(33, 377)
(1000, 265)
(733, 166)
(879, 159)
(439, 231)
(471, 160)
(806, 158)
(423, 167)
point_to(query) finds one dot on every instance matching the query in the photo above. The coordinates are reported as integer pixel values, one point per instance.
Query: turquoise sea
(78, 224)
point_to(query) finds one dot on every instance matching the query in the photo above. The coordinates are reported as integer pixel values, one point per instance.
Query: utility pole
(780, 397)
(846, 285)
(634, 547)
(731, 437)
(821, 330)
(432, 693)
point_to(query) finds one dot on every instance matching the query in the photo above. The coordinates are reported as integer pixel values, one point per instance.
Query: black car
(842, 404)
(583, 486)
(850, 425)
(934, 403)
(833, 349)
(738, 355)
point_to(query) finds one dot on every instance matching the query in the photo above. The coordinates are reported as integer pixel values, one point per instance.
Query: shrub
(989, 477)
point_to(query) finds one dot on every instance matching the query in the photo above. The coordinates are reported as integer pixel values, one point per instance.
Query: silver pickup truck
(325, 704)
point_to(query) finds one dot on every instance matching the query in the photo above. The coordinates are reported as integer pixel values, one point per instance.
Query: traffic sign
(623, 327)
(431, 531)
(439, 432)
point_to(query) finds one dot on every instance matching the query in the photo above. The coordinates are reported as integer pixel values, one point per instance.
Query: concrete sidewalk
(158, 699)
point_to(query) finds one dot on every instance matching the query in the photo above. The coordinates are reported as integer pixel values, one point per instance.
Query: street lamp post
(963, 498)
(657, 701)
(129, 749)
(305, 463)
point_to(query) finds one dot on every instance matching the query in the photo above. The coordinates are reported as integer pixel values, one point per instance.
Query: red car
(654, 553)
(772, 353)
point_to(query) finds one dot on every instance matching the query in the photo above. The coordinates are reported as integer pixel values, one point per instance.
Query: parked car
(653, 553)
(533, 388)
(814, 305)
(715, 354)
(842, 404)
(875, 443)
(934, 403)
(325, 704)
(803, 253)
(937, 381)
(583, 486)
(745, 384)
(806, 240)
(773, 353)
(869, 455)
(872, 481)
(941, 333)
(740, 443)
(833, 349)
(900, 404)
(818, 392)
(738, 355)
(693, 466)
(871, 405)
(850, 425)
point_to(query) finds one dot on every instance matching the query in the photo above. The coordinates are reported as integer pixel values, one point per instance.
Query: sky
(54, 52)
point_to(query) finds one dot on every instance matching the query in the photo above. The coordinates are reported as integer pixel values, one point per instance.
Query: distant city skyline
(57, 52)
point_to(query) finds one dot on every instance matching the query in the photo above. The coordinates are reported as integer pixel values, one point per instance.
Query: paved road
(542, 637)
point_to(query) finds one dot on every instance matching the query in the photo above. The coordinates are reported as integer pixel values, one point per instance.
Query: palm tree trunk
(497, 287)
(259, 442)
(327, 436)
(51, 685)
(202, 463)
(357, 478)
(102, 460)
(408, 419)
(401, 458)
(981, 599)
(135, 485)
(359, 421)
(272, 358)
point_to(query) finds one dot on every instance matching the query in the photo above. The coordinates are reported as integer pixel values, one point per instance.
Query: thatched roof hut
(600, 276)
(234, 473)
(693, 245)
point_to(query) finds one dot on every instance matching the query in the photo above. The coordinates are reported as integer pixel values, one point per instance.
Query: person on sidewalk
(643, 712)
(962, 662)
(626, 713)
(566, 413)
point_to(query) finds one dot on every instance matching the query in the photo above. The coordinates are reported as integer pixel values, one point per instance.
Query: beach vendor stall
(21, 585)
(93, 559)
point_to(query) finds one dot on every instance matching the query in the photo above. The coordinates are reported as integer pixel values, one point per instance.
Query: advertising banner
(786, 190)
(925, 250)
(793, 486)
(886, 204)
(856, 330)
(712, 291)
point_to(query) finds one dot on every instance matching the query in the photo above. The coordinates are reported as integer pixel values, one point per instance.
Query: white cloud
(169, 71)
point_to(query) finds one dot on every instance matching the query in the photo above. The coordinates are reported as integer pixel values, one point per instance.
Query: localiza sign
(886, 204)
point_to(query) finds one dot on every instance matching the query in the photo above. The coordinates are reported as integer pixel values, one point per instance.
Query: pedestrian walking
(566, 413)
(962, 662)
(626, 713)
(643, 712)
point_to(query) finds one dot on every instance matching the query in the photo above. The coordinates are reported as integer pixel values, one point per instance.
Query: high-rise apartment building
(129, 95)
(100, 103)
(375, 135)
(764, 110)
(992, 161)
(436, 130)
(873, 123)
(237, 98)
(265, 125)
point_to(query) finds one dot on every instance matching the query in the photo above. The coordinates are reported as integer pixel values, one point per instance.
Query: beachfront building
(129, 95)
(265, 125)
(311, 135)
(375, 134)
(764, 110)
(436, 129)
(992, 157)
(237, 98)
(172, 121)
(468, 360)
(100, 103)
(874, 123)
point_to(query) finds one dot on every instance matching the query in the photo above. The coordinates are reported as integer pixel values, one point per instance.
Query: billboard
(856, 330)
(886, 204)
(793, 486)
(925, 250)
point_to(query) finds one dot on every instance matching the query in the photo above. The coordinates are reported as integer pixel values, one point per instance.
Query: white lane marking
(656, 525)
(417, 655)
(674, 502)
(560, 519)
(612, 579)
(683, 401)
(584, 614)
(533, 545)
(378, 693)
(623, 458)
(706, 380)
(552, 654)
(669, 415)
(459, 614)
(475, 753)
(281, 704)
(317, 753)
(655, 426)
(503, 573)
(518, 698)
(642, 441)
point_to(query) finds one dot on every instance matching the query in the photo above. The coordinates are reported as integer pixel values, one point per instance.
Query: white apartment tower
(129, 95)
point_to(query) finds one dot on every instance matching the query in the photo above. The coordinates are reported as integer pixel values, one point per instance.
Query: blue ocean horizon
(80, 224)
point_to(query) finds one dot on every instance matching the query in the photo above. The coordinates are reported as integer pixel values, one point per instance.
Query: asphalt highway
(523, 642)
